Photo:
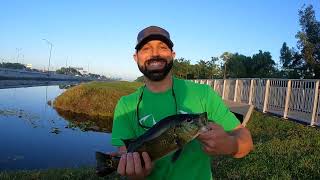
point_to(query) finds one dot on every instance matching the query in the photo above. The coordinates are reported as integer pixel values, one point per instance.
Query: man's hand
(217, 142)
(130, 165)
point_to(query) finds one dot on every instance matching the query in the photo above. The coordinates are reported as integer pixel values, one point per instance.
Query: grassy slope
(79, 98)
(283, 150)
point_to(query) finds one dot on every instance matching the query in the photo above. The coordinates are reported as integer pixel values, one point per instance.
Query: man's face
(155, 60)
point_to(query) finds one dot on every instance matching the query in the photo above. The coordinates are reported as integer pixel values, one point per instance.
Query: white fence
(290, 98)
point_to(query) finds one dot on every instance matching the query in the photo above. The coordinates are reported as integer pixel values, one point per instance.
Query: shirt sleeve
(121, 128)
(218, 112)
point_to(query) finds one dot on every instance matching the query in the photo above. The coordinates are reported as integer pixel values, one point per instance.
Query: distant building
(29, 66)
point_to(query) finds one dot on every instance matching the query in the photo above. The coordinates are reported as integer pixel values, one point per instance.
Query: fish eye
(189, 120)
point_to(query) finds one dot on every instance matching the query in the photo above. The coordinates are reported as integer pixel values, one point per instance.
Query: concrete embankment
(35, 75)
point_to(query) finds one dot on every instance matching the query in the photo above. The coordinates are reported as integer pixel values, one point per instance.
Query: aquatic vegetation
(32, 119)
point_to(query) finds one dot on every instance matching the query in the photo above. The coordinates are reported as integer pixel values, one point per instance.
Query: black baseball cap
(153, 33)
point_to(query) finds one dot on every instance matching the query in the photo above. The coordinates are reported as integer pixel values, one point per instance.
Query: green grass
(282, 150)
(94, 101)
(84, 98)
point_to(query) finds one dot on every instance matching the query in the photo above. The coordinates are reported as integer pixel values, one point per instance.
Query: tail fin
(106, 164)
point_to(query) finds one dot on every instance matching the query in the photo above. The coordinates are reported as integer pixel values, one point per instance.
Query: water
(27, 135)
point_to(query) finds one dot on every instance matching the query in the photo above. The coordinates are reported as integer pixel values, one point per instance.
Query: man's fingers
(213, 126)
(137, 164)
(208, 144)
(147, 162)
(130, 165)
(206, 135)
(208, 150)
(122, 165)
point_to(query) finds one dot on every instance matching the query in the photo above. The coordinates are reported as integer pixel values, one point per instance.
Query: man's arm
(244, 141)
(216, 141)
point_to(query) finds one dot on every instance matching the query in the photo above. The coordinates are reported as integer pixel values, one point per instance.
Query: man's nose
(155, 52)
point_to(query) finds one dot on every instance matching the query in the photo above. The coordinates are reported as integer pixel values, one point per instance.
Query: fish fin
(178, 152)
(127, 142)
(176, 155)
(106, 164)
(179, 143)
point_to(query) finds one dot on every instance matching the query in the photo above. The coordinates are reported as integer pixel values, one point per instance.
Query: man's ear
(173, 54)
(135, 57)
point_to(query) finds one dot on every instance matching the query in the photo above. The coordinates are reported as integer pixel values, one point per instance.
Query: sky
(100, 35)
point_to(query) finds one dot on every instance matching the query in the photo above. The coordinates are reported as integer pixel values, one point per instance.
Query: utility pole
(49, 43)
(18, 54)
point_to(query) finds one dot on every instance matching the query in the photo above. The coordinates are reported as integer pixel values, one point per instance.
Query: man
(165, 95)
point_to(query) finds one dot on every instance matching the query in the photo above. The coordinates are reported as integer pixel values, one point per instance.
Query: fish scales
(168, 135)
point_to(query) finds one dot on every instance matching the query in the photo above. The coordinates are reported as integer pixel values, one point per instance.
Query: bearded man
(164, 95)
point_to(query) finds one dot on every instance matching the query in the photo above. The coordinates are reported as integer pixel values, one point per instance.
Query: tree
(237, 66)
(181, 68)
(309, 42)
(12, 65)
(225, 57)
(286, 57)
(291, 62)
(262, 65)
(68, 71)
(213, 69)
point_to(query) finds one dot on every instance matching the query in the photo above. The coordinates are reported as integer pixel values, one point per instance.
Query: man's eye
(163, 47)
(145, 49)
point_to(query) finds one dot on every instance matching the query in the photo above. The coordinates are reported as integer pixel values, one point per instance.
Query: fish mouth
(204, 118)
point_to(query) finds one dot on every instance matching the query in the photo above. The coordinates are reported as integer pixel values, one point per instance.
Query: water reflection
(87, 123)
(34, 136)
(67, 86)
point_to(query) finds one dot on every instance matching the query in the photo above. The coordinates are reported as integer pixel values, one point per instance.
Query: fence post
(224, 88)
(250, 92)
(266, 94)
(209, 82)
(286, 106)
(235, 91)
(215, 85)
(315, 103)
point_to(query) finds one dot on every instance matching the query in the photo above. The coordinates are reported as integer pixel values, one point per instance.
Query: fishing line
(140, 99)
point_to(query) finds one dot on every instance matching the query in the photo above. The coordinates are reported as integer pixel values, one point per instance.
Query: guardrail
(290, 98)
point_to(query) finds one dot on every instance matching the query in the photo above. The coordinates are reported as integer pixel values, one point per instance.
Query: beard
(156, 74)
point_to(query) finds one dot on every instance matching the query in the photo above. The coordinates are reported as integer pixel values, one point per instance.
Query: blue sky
(101, 35)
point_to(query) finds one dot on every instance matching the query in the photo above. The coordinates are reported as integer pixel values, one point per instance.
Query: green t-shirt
(192, 163)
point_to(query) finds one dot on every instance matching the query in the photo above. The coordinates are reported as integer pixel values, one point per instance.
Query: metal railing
(290, 98)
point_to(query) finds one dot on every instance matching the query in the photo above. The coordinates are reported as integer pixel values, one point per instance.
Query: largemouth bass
(168, 135)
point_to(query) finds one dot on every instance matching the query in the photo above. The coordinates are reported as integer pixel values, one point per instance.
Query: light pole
(18, 54)
(49, 43)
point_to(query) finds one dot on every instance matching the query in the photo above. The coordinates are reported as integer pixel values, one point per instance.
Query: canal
(34, 136)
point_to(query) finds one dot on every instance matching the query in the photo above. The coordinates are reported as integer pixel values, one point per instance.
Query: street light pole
(18, 54)
(50, 52)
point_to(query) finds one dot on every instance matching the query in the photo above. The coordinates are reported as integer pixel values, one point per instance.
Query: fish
(165, 137)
